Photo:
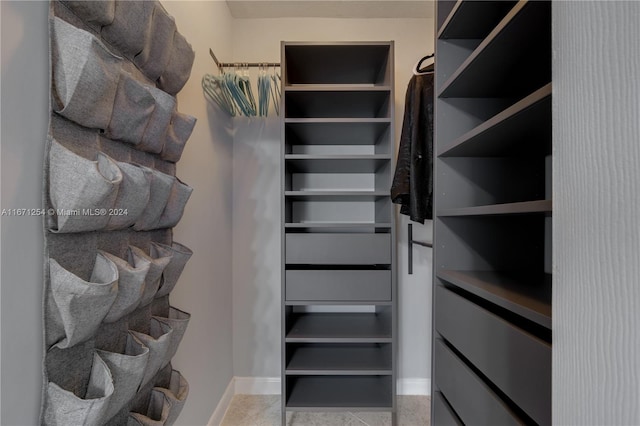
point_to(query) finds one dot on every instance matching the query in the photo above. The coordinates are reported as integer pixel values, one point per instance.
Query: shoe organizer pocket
(83, 305)
(85, 76)
(178, 321)
(131, 25)
(127, 369)
(63, 407)
(132, 110)
(82, 191)
(155, 133)
(157, 264)
(178, 68)
(161, 186)
(158, 341)
(132, 273)
(93, 12)
(157, 412)
(176, 395)
(178, 133)
(180, 193)
(155, 54)
(133, 196)
(180, 255)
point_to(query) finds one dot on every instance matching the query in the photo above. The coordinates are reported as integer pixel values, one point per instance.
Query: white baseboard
(414, 387)
(221, 409)
(257, 385)
(271, 386)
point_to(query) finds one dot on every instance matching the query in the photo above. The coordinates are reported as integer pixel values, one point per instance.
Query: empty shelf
(513, 59)
(335, 88)
(369, 359)
(523, 128)
(343, 131)
(301, 163)
(335, 195)
(349, 393)
(336, 103)
(474, 19)
(339, 328)
(527, 294)
(525, 207)
(355, 225)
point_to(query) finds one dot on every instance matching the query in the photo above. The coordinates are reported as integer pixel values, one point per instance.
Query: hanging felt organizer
(112, 198)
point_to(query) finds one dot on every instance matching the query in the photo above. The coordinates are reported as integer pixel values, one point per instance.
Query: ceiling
(331, 8)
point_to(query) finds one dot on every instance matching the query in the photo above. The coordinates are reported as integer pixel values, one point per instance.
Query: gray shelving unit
(492, 297)
(339, 280)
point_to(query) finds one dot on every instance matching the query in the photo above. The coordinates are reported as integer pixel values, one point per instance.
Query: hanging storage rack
(221, 65)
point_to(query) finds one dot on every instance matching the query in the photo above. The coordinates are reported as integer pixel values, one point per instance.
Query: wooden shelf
(368, 103)
(474, 19)
(522, 129)
(513, 59)
(337, 88)
(525, 207)
(527, 294)
(322, 225)
(302, 163)
(368, 359)
(339, 328)
(335, 195)
(337, 393)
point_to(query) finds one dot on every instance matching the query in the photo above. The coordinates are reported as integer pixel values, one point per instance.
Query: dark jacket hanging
(413, 180)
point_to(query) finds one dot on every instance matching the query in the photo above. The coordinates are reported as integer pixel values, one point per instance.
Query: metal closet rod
(242, 64)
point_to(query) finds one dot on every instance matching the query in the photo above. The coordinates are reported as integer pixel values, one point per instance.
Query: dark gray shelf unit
(492, 297)
(339, 286)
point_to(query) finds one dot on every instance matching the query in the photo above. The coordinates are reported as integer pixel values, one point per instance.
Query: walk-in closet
(339, 213)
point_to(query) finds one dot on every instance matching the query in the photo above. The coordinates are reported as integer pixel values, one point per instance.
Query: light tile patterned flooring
(264, 410)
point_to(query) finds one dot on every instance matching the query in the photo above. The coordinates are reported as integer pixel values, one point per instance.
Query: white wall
(256, 194)
(24, 121)
(205, 355)
(596, 234)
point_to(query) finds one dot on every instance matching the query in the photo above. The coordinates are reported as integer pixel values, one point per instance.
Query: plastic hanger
(215, 90)
(429, 69)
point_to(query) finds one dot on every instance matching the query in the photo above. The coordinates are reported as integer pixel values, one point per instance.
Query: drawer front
(338, 249)
(515, 361)
(442, 414)
(469, 396)
(316, 285)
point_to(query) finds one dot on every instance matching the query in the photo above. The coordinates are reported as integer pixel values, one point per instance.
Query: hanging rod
(411, 243)
(241, 64)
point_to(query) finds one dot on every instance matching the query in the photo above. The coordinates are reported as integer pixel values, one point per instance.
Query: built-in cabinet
(492, 279)
(339, 286)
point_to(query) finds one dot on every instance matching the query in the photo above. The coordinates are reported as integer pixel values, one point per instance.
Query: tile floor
(264, 410)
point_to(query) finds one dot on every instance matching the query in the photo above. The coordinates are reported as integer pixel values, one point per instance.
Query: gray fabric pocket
(131, 25)
(178, 321)
(158, 341)
(64, 408)
(152, 280)
(98, 12)
(85, 76)
(178, 69)
(156, 131)
(178, 133)
(132, 274)
(180, 193)
(154, 57)
(176, 395)
(133, 196)
(161, 186)
(132, 110)
(179, 255)
(127, 370)
(82, 191)
(83, 304)
(157, 411)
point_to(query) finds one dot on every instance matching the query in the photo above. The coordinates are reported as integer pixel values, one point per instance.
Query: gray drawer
(469, 396)
(515, 361)
(442, 414)
(317, 285)
(338, 249)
